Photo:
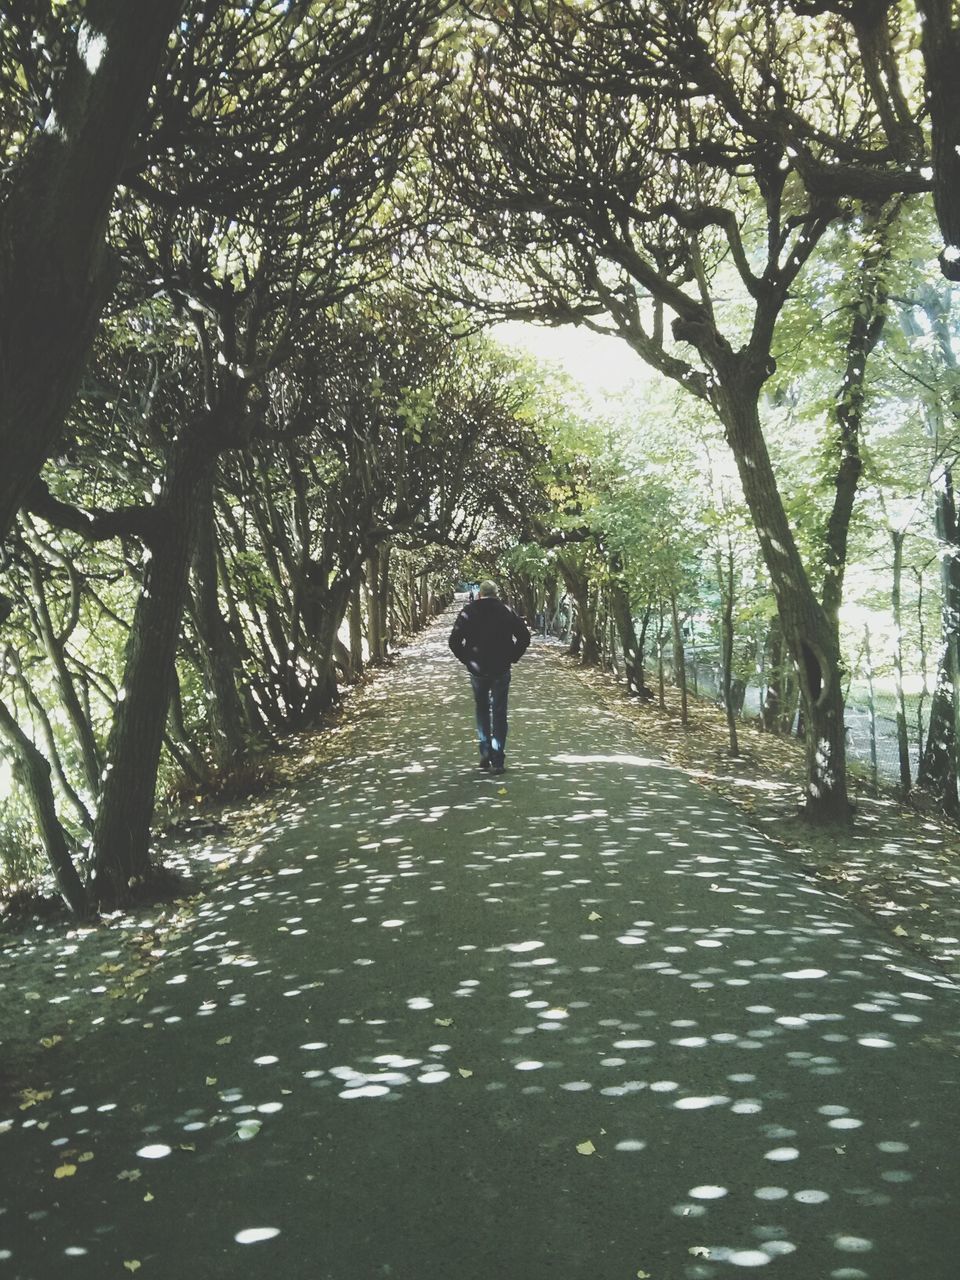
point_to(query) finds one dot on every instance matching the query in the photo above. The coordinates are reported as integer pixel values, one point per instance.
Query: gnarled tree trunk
(54, 273)
(122, 831)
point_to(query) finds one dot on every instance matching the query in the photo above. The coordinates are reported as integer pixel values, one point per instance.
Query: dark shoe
(484, 764)
(497, 769)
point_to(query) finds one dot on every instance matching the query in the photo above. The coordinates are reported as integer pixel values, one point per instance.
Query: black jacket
(488, 636)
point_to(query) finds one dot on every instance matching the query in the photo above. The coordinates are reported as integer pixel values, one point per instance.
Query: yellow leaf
(84, 1157)
(643, 1275)
(49, 1041)
(443, 1022)
(465, 1073)
(586, 1148)
(211, 1079)
(900, 931)
(188, 1146)
(594, 916)
(148, 1197)
(225, 1040)
(65, 1171)
(110, 968)
(32, 1096)
(128, 1175)
(501, 791)
(132, 1265)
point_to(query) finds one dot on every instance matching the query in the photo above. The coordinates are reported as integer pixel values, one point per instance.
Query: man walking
(488, 637)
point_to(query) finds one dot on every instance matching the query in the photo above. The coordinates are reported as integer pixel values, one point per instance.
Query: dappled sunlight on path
(576, 1022)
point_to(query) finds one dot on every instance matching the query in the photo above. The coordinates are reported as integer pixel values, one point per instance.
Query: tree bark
(32, 771)
(578, 587)
(940, 45)
(122, 831)
(679, 658)
(938, 766)
(903, 742)
(868, 316)
(622, 616)
(725, 581)
(809, 633)
(356, 633)
(54, 273)
(218, 657)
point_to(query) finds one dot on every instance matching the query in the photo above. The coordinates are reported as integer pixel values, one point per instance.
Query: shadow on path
(579, 1022)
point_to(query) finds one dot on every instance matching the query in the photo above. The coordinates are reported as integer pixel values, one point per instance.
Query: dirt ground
(897, 865)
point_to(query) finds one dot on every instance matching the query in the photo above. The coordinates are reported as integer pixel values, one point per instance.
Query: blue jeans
(490, 696)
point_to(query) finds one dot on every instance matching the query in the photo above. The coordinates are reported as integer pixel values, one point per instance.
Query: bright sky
(602, 365)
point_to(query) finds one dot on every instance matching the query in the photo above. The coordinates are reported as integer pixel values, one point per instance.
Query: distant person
(488, 637)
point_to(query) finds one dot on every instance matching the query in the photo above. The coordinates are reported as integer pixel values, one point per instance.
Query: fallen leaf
(699, 1251)
(225, 1040)
(84, 1157)
(49, 1041)
(32, 1096)
(643, 1275)
(188, 1146)
(248, 1129)
(132, 1265)
(586, 1148)
(65, 1171)
(443, 1022)
(501, 791)
(900, 931)
(211, 1079)
(129, 1175)
(465, 1073)
(148, 1197)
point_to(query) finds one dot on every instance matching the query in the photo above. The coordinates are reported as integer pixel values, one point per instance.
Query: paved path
(434, 991)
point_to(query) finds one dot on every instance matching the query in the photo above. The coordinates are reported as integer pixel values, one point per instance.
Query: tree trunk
(377, 569)
(725, 581)
(940, 45)
(679, 658)
(66, 688)
(32, 771)
(356, 633)
(54, 274)
(812, 639)
(627, 632)
(578, 587)
(903, 741)
(938, 766)
(218, 657)
(122, 831)
(324, 610)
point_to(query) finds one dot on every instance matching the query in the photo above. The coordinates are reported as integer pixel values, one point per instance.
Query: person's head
(488, 589)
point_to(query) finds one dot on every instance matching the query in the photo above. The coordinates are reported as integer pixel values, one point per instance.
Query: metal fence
(870, 717)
